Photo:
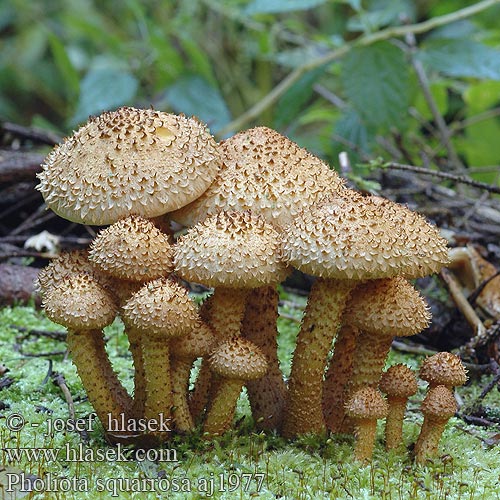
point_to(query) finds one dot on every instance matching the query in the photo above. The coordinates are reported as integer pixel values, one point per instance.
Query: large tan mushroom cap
(367, 403)
(399, 381)
(231, 249)
(389, 306)
(439, 403)
(422, 239)
(356, 237)
(267, 173)
(345, 240)
(129, 161)
(238, 358)
(132, 249)
(79, 302)
(161, 307)
(443, 368)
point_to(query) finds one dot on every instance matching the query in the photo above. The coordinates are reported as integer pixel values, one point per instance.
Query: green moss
(308, 468)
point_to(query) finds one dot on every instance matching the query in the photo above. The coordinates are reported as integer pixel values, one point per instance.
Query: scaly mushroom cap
(344, 240)
(132, 249)
(422, 239)
(399, 381)
(231, 249)
(79, 302)
(129, 161)
(199, 341)
(443, 368)
(161, 307)
(439, 403)
(66, 263)
(389, 306)
(354, 237)
(238, 358)
(267, 173)
(367, 404)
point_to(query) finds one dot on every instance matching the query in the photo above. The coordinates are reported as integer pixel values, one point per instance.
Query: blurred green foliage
(61, 61)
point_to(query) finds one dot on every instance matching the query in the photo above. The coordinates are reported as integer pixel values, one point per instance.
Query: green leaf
(66, 69)
(279, 6)
(103, 89)
(376, 82)
(482, 96)
(439, 92)
(293, 100)
(480, 143)
(461, 59)
(295, 57)
(351, 128)
(193, 95)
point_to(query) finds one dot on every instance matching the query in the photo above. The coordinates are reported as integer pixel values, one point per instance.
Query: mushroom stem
(226, 311)
(267, 394)
(83, 346)
(369, 360)
(427, 445)
(156, 355)
(438, 406)
(366, 430)
(122, 396)
(134, 338)
(304, 413)
(394, 422)
(337, 377)
(198, 398)
(221, 412)
(180, 369)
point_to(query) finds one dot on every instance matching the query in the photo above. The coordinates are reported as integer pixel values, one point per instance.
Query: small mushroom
(199, 341)
(443, 368)
(131, 252)
(236, 361)
(399, 383)
(132, 249)
(70, 264)
(337, 377)
(160, 311)
(365, 407)
(84, 307)
(382, 309)
(438, 407)
(233, 252)
(267, 394)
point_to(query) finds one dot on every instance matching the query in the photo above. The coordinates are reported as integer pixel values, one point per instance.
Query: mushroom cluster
(255, 206)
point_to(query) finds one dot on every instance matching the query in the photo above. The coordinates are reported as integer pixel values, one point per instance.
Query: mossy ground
(230, 467)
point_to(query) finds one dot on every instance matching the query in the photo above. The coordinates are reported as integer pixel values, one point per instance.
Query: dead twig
(34, 134)
(57, 335)
(462, 179)
(462, 303)
(59, 380)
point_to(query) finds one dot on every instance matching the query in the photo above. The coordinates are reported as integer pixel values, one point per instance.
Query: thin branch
(462, 179)
(443, 129)
(368, 39)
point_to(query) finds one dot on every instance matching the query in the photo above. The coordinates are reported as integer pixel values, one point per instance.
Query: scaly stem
(221, 412)
(304, 412)
(83, 346)
(267, 394)
(337, 377)
(180, 369)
